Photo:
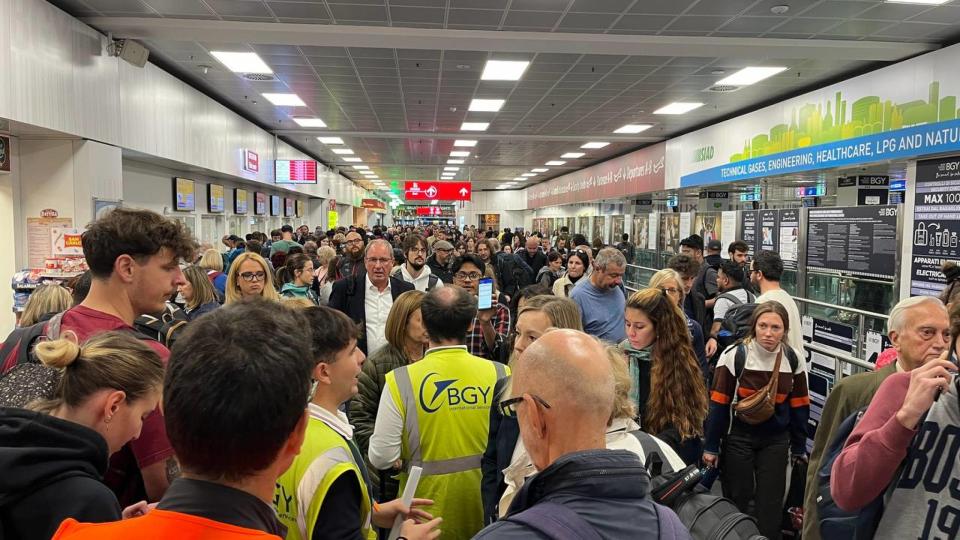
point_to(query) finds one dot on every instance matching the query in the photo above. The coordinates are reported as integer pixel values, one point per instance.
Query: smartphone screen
(485, 294)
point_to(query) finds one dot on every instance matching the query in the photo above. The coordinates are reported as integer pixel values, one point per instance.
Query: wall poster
(686, 221)
(652, 230)
(789, 237)
(670, 232)
(856, 240)
(728, 232)
(769, 237)
(641, 230)
(708, 226)
(748, 229)
(936, 224)
(39, 236)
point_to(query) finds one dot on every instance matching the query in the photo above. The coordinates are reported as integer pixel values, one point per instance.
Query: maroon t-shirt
(123, 475)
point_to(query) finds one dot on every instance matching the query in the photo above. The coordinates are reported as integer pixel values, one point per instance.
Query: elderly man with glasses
(367, 297)
(490, 327)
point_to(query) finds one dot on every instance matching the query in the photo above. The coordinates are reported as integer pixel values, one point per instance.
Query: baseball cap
(714, 245)
(443, 245)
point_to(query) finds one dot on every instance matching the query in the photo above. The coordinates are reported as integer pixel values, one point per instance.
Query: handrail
(839, 355)
(834, 306)
(642, 267)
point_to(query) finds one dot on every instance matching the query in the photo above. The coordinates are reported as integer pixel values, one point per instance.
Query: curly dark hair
(140, 234)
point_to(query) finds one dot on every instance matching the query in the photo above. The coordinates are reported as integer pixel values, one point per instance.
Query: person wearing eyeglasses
(368, 297)
(415, 269)
(350, 264)
(250, 276)
(491, 326)
(440, 261)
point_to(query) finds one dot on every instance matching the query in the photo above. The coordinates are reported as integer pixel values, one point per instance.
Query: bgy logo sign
(435, 393)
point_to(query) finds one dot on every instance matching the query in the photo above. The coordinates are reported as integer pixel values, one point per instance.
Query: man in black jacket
(367, 297)
(531, 257)
(440, 261)
(594, 489)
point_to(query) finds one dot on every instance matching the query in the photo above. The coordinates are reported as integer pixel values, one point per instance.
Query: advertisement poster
(670, 232)
(331, 219)
(652, 231)
(860, 241)
(876, 343)
(729, 231)
(708, 226)
(66, 242)
(748, 229)
(789, 237)
(39, 235)
(769, 230)
(102, 206)
(936, 224)
(641, 230)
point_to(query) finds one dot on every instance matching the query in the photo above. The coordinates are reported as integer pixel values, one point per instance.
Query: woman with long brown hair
(669, 390)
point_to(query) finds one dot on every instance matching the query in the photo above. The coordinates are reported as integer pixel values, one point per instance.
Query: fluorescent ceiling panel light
(451, 168)
(541, 169)
(528, 174)
(242, 62)
(486, 105)
(360, 167)
(750, 75)
(504, 70)
(519, 179)
(454, 162)
(459, 153)
(463, 142)
(922, 2)
(342, 151)
(330, 140)
(592, 145)
(353, 160)
(678, 107)
(555, 163)
(573, 155)
(308, 121)
(633, 128)
(284, 100)
(475, 126)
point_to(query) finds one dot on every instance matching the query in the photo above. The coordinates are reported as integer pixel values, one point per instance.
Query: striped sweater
(792, 403)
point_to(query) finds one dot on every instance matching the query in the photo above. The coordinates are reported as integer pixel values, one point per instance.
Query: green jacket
(363, 407)
(850, 394)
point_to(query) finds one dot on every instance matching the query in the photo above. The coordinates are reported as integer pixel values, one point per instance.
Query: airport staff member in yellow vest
(325, 493)
(435, 414)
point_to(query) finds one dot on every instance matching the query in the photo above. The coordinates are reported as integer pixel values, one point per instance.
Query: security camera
(129, 50)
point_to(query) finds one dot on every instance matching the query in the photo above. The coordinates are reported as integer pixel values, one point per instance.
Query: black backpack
(706, 516)
(738, 316)
(164, 327)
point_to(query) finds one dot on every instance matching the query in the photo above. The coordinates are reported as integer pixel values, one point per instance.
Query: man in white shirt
(765, 272)
(415, 269)
(368, 297)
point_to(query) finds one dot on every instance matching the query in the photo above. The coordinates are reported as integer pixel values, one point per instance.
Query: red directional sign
(416, 190)
(435, 211)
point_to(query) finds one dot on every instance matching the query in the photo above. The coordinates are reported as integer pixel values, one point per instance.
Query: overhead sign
(373, 204)
(856, 240)
(4, 153)
(873, 180)
(296, 171)
(434, 211)
(444, 191)
(936, 224)
(637, 172)
(898, 185)
(251, 161)
(846, 181)
(673, 201)
(714, 194)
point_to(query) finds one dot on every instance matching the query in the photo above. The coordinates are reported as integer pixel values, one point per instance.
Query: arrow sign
(443, 191)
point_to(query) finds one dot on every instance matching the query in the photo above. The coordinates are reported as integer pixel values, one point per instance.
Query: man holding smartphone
(492, 323)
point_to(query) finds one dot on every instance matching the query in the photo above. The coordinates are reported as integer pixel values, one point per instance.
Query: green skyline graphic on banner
(814, 124)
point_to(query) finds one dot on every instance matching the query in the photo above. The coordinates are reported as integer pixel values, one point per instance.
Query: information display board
(239, 201)
(789, 237)
(856, 240)
(296, 171)
(274, 205)
(299, 208)
(936, 224)
(184, 198)
(259, 203)
(288, 207)
(215, 198)
(748, 229)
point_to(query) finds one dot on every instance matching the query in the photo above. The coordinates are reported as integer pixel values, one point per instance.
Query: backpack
(834, 522)
(165, 327)
(736, 320)
(705, 516)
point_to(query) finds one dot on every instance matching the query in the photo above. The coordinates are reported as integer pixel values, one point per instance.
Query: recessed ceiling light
(308, 121)
(463, 142)
(573, 155)
(242, 62)
(592, 145)
(632, 128)
(284, 100)
(541, 169)
(678, 107)
(504, 70)
(750, 75)
(330, 140)
(528, 174)
(923, 2)
(459, 153)
(451, 168)
(342, 151)
(519, 179)
(454, 162)
(361, 167)
(486, 105)
(475, 126)
(353, 160)
(555, 163)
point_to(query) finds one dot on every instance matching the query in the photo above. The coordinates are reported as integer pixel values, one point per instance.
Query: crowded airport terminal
(480, 269)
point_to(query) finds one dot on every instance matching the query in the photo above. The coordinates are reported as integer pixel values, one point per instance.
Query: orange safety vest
(159, 525)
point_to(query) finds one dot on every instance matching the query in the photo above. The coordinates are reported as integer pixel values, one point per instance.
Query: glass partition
(788, 282)
(848, 292)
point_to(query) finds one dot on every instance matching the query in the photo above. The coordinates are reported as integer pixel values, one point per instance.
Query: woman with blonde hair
(671, 282)
(669, 390)
(212, 262)
(325, 273)
(53, 457)
(250, 276)
(46, 300)
(197, 292)
(406, 343)
(537, 316)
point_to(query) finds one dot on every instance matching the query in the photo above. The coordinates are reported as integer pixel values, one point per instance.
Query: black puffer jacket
(50, 470)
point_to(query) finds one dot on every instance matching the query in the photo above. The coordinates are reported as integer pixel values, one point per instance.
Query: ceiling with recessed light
(528, 89)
